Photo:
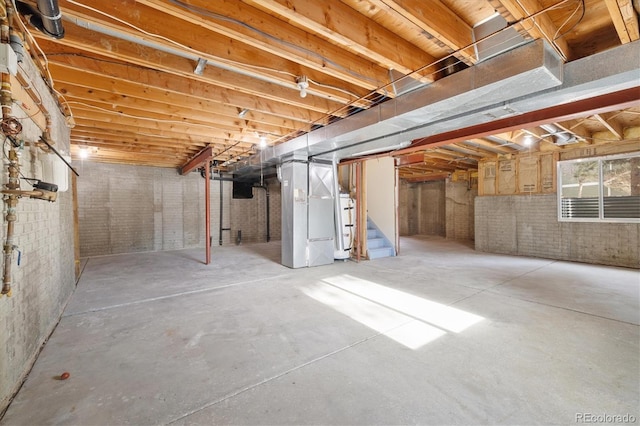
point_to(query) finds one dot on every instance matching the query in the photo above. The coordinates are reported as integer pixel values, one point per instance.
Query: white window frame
(600, 217)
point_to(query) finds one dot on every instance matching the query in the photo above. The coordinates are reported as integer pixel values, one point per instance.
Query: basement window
(601, 189)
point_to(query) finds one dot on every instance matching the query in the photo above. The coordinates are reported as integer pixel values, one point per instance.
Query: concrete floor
(439, 335)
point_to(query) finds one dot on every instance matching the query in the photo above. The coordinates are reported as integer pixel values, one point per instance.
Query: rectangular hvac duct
(520, 72)
(493, 37)
(294, 212)
(321, 213)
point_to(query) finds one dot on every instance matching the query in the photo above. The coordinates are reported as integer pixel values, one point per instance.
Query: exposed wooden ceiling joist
(625, 19)
(126, 69)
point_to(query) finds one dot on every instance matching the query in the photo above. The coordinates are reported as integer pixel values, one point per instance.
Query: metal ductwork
(528, 78)
(560, 137)
(47, 19)
(395, 123)
(51, 18)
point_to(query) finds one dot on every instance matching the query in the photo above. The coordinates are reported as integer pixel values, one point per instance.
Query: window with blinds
(600, 189)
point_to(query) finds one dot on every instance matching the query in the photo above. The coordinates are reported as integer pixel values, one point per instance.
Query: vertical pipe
(337, 211)
(5, 37)
(51, 18)
(76, 226)
(266, 190)
(207, 212)
(11, 201)
(220, 238)
(358, 208)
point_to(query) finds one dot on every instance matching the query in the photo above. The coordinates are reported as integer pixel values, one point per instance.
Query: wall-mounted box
(8, 59)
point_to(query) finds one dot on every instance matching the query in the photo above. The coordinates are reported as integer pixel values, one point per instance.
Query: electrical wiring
(584, 9)
(104, 60)
(28, 117)
(138, 117)
(178, 44)
(328, 86)
(49, 77)
(380, 92)
(540, 29)
(227, 61)
(36, 45)
(323, 58)
(4, 152)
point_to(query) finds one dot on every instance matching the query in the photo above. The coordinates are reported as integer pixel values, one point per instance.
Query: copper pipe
(20, 193)
(5, 91)
(10, 200)
(33, 95)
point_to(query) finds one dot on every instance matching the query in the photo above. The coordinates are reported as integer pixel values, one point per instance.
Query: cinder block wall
(527, 225)
(460, 223)
(432, 214)
(125, 209)
(409, 203)
(250, 218)
(44, 280)
(437, 208)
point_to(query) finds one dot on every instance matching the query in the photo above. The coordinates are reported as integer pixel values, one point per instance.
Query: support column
(207, 211)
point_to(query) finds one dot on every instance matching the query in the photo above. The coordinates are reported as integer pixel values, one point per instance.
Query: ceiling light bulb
(263, 142)
(527, 140)
(83, 153)
(303, 85)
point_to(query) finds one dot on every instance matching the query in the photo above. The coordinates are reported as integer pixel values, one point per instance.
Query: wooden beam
(184, 106)
(110, 155)
(244, 49)
(625, 19)
(458, 153)
(160, 87)
(214, 122)
(504, 149)
(28, 100)
(575, 127)
(167, 130)
(162, 135)
(479, 151)
(435, 19)
(411, 159)
(540, 27)
(79, 42)
(427, 178)
(195, 162)
(345, 27)
(611, 124)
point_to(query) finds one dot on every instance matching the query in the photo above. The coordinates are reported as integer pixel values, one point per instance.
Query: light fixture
(200, 66)
(263, 141)
(303, 85)
(242, 113)
(83, 153)
(527, 140)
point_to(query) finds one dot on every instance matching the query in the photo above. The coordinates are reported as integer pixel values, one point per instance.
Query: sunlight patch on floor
(409, 320)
